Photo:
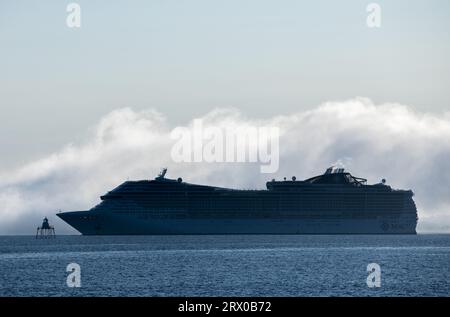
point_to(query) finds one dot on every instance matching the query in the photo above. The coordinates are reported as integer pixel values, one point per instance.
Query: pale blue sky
(185, 58)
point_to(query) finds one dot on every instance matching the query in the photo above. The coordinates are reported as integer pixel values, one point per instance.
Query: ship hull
(117, 224)
(333, 203)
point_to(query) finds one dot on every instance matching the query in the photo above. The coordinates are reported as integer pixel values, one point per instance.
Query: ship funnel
(162, 173)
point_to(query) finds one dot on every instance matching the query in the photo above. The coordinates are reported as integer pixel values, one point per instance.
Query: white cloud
(411, 150)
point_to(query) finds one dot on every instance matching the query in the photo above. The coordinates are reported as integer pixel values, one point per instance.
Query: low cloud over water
(408, 148)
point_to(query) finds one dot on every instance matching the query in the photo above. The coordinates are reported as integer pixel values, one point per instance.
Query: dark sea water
(264, 265)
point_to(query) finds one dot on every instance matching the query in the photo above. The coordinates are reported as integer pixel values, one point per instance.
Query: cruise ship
(335, 202)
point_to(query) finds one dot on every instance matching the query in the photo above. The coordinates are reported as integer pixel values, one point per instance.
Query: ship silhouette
(335, 202)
